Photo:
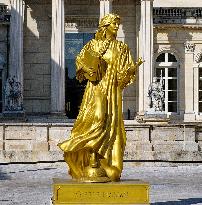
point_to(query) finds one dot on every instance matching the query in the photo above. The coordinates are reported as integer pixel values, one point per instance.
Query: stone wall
(34, 142)
(164, 143)
(37, 56)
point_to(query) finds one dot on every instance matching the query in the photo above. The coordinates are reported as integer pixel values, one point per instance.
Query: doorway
(74, 90)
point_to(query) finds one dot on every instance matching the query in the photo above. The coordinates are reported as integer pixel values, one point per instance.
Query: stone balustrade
(177, 15)
(177, 12)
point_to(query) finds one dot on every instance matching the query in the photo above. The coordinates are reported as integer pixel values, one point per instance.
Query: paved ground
(22, 184)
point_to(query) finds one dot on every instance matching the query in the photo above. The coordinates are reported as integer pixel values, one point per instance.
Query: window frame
(200, 112)
(166, 65)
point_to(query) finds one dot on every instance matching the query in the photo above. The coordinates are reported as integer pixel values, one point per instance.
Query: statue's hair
(104, 23)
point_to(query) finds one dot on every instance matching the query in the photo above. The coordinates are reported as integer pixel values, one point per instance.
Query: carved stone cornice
(185, 26)
(81, 21)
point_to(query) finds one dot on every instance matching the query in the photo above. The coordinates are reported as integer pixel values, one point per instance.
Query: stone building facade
(40, 97)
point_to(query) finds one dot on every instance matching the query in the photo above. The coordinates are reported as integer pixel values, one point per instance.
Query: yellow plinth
(123, 192)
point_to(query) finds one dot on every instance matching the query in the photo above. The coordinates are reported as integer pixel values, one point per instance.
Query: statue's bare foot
(112, 172)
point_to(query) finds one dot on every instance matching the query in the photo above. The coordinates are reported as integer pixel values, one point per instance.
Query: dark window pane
(71, 68)
(172, 95)
(200, 84)
(172, 106)
(200, 72)
(160, 71)
(200, 107)
(161, 58)
(172, 72)
(171, 58)
(0, 74)
(73, 44)
(172, 84)
(87, 37)
(0, 107)
(200, 95)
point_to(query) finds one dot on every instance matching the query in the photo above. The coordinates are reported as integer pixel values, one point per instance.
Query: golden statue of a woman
(95, 149)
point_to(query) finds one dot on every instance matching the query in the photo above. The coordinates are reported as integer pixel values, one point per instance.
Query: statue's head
(108, 24)
(108, 19)
(155, 79)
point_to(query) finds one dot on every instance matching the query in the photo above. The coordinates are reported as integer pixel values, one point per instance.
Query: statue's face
(155, 79)
(113, 27)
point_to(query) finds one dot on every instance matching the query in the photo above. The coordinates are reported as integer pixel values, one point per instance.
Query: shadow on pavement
(4, 176)
(190, 201)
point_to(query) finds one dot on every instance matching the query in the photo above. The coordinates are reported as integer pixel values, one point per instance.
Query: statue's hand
(140, 61)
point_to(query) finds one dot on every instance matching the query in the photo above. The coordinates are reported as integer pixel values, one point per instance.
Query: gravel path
(22, 184)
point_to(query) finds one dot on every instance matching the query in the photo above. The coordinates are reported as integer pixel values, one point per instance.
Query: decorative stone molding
(162, 49)
(81, 22)
(174, 26)
(189, 47)
(168, 49)
(198, 57)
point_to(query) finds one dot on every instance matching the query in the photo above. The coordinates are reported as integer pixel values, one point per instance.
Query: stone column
(15, 71)
(57, 58)
(146, 52)
(105, 7)
(138, 17)
(189, 82)
(16, 40)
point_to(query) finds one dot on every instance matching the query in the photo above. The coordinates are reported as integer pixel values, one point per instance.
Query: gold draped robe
(99, 126)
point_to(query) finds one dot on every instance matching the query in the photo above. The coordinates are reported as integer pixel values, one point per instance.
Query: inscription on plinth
(123, 192)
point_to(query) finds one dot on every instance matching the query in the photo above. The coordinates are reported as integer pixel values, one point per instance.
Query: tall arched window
(167, 66)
